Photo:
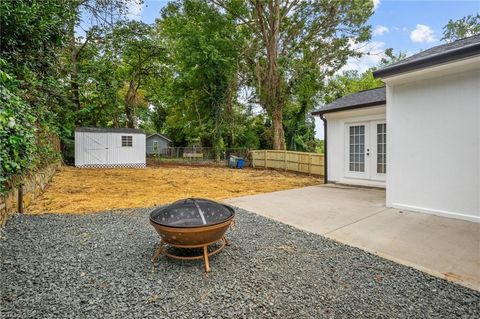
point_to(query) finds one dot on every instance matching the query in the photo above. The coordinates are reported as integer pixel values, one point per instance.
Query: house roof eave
(428, 61)
(350, 107)
(162, 136)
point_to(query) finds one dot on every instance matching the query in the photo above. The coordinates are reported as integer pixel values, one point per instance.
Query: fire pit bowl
(192, 223)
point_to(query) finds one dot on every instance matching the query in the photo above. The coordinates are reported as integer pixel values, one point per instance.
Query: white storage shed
(109, 147)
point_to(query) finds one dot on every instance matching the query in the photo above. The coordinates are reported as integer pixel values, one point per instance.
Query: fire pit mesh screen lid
(191, 212)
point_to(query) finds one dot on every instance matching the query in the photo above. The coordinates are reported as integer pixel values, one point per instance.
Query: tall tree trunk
(130, 104)
(274, 79)
(278, 133)
(229, 101)
(217, 134)
(74, 71)
(268, 19)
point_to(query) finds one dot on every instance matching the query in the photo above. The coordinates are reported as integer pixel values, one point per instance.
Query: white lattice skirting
(126, 165)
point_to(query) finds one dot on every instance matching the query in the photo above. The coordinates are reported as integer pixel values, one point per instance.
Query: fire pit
(192, 223)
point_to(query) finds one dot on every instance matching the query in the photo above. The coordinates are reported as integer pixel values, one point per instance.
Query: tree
(391, 58)
(17, 127)
(286, 35)
(115, 72)
(134, 46)
(31, 89)
(203, 51)
(92, 17)
(298, 122)
(462, 28)
(99, 87)
(349, 82)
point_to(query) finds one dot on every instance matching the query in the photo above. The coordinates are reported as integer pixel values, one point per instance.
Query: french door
(366, 150)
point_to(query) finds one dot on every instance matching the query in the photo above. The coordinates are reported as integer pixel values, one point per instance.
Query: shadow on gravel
(98, 266)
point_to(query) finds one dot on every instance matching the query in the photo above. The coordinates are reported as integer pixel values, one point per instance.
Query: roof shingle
(109, 130)
(360, 99)
(462, 48)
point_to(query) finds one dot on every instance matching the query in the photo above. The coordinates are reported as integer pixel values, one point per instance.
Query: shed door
(95, 148)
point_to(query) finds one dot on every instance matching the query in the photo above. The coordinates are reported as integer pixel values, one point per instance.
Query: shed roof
(162, 136)
(447, 52)
(360, 99)
(109, 130)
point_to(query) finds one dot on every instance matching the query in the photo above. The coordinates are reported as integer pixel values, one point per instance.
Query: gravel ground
(98, 266)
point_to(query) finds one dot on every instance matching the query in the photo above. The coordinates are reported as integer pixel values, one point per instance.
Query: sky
(406, 26)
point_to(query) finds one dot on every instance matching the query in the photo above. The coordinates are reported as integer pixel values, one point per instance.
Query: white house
(109, 147)
(419, 137)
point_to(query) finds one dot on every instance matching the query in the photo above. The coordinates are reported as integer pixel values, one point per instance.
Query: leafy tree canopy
(462, 28)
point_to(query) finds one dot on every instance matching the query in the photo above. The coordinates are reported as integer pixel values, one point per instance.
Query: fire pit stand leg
(158, 252)
(227, 242)
(161, 249)
(205, 257)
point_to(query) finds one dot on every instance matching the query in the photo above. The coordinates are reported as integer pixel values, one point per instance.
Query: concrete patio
(443, 247)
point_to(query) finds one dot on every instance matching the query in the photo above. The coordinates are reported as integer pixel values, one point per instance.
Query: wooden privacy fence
(311, 163)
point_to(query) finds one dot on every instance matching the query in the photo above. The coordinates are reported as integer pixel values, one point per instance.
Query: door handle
(368, 151)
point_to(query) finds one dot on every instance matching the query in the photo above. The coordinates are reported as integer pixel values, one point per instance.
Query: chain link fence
(195, 153)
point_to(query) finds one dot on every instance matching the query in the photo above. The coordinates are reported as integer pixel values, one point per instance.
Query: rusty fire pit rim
(228, 207)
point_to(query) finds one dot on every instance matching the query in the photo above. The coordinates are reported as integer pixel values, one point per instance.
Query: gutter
(428, 61)
(350, 107)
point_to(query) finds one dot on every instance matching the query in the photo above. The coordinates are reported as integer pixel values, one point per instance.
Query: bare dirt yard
(75, 191)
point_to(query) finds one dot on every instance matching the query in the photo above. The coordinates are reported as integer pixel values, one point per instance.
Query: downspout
(325, 148)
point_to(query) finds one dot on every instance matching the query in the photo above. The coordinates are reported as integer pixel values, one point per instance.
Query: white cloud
(423, 33)
(135, 9)
(373, 52)
(380, 29)
(376, 3)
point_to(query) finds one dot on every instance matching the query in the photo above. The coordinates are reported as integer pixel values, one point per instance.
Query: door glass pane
(381, 148)
(356, 147)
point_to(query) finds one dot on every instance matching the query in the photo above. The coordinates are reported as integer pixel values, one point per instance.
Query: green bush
(24, 145)
(17, 131)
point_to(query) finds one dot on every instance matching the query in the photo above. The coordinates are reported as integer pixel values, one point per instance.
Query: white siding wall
(79, 161)
(336, 141)
(126, 155)
(433, 145)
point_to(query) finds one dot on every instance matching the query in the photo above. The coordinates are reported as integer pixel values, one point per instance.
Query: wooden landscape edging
(19, 198)
(309, 163)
